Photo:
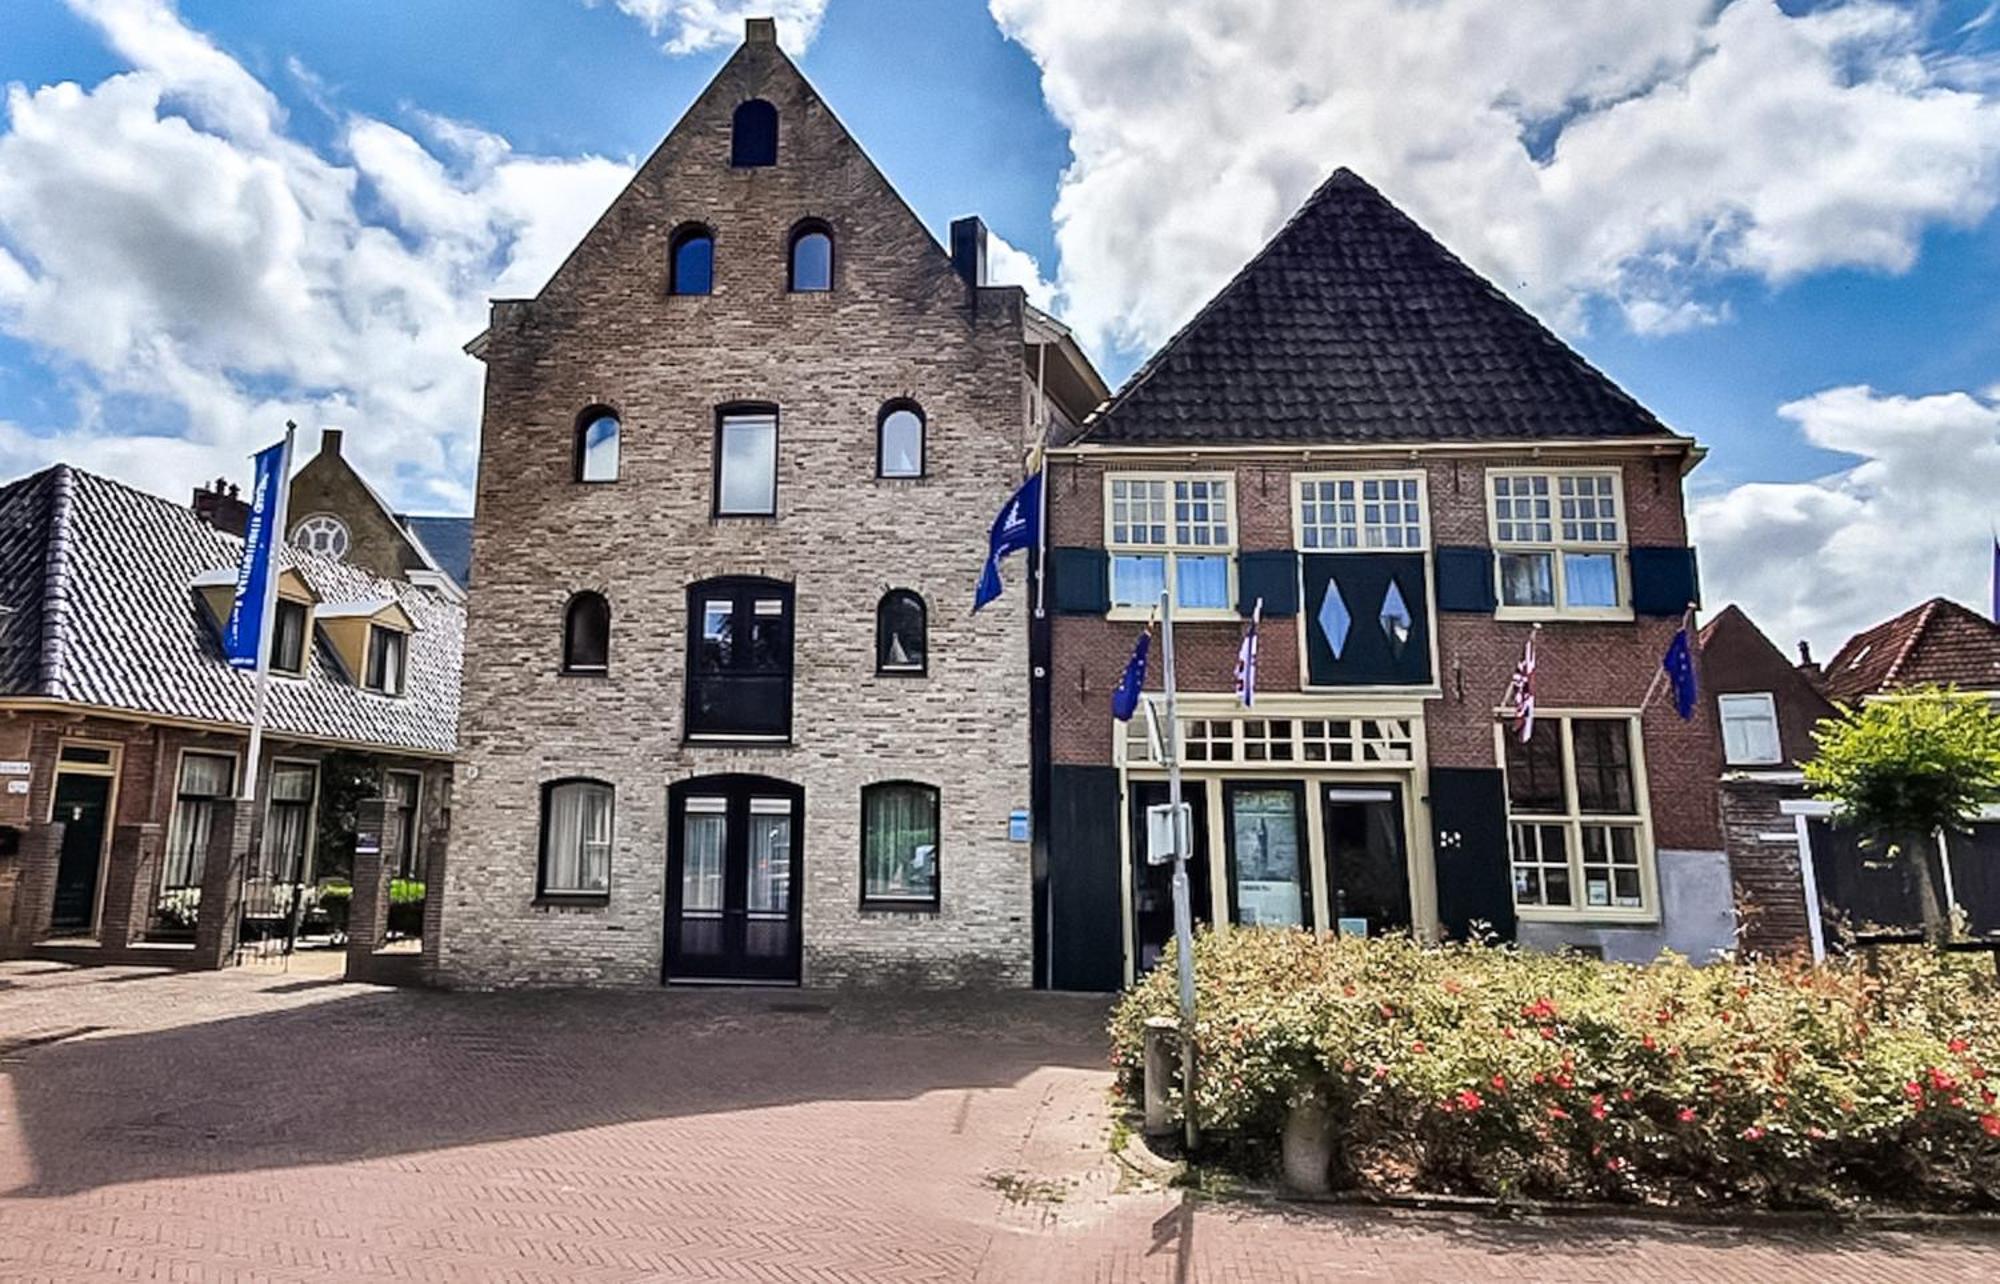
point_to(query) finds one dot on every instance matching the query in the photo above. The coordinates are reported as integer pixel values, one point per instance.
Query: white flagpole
(1183, 918)
(247, 787)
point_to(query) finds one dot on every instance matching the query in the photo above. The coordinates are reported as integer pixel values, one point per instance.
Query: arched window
(812, 258)
(899, 440)
(597, 445)
(587, 634)
(691, 269)
(576, 839)
(899, 845)
(753, 135)
(902, 643)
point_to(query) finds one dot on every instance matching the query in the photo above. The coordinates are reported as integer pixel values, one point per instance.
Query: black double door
(734, 879)
(1153, 885)
(81, 804)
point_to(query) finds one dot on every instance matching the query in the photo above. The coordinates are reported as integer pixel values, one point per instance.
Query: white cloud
(175, 254)
(1691, 139)
(1912, 520)
(1006, 265)
(694, 25)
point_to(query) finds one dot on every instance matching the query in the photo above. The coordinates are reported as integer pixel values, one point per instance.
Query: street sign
(1165, 841)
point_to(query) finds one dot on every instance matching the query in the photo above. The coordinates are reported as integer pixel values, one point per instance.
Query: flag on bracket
(1520, 698)
(249, 623)
(1678, 664)
(1125, 697)
(1013, 530)
(1246, 658)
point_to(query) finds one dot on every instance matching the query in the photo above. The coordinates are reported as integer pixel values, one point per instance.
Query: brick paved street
(272, 1124)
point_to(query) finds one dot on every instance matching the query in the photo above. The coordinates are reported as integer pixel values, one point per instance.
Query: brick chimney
(329, 441)
(1809, 666)
(760, 31)
(968, 249)
(222, 507)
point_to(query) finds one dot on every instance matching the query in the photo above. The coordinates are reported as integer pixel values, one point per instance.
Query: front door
(1153, 885)
(1368, 871)
(734, 879)
(80, 805)
(1266, 826)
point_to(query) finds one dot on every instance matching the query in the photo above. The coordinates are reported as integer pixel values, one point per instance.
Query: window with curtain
(401, 790)
(286, 853)
(206, 780)
(587, 634)
(597, 432)
(753, 135)
(1177, 530)
(812, 259)
(746, 463)
(691, 262)
(289, 626)
(899, 450)
(899, 844)
(576, 838)
(900, 627)
(1559, 541)
(388, 654)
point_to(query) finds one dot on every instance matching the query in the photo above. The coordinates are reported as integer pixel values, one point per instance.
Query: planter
(1307, 1147)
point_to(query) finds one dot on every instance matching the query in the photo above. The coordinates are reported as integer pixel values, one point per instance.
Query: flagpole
(247, 787)
(1183, 919)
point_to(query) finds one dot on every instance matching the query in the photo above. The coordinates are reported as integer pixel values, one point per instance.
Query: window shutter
(1475, 881)
(1664, 580)
(1272, 575)
(1081, 580)
(1465, 580)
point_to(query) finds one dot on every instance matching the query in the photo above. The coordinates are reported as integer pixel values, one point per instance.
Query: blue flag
(1996, 578)
(1125, 700)
(255, 574)
(1014, 529)
(1679, 664)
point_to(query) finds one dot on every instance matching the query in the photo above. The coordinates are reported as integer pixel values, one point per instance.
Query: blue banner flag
(1014, 529)
(1125, 699)
(256, 576)
(1679, 664)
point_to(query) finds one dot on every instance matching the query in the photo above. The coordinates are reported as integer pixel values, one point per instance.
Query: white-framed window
(322, 533)
(1559, 540)
(1750, 729)
(1342, 512)
(1579, 832)
(285, 855)
(1171, 528)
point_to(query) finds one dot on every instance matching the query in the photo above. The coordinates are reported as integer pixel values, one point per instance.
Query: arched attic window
(811, 258)
(899, 440)
(753, 135)
(586, 634)
(597, 433)
(902, 642)
(691, 261)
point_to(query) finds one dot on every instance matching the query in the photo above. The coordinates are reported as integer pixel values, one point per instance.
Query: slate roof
(1938, 641)
(1354, 325)
(449, 542)
(101, 577)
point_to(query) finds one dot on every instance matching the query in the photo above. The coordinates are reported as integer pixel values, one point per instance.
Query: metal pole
(1183, 922)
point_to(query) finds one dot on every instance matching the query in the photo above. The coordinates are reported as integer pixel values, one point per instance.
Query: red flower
(1468, 1100)
(1597, 1110)
(1942, 1081)
(1499, 1083)
(1626, 1095)
(1687, 1114)
(1418, 1047)
(1958, 1045)
(1564, 1081)
(1548, 1032)
(1557, 1112)
(1541, 1010)
(1913, 1090)
(1615, 1164)
(1990, 1125)
(1754, 1132)
(1649, 1044)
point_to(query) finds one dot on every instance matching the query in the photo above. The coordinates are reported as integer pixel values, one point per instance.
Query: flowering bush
(1485, 1070)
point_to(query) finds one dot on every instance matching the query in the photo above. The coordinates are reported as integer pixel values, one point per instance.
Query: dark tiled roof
(449, 542)
(1355, 325)
(109, 570)
(1938, 641)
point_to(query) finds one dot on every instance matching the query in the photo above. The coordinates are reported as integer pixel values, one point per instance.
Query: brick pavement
(270, 1124)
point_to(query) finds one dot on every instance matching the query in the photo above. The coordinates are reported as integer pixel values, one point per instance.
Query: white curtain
(705, 833)
(579, 839)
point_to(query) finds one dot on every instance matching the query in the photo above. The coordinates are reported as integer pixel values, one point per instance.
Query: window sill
(1545, 614)
(900, 907)
(1182, 614)
(902, 673)
(1593, 916)
(771, 517)
(583, 673)
(573, 900)
(724, 740)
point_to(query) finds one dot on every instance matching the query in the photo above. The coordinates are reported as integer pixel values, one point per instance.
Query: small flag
(1996, 578)
(1521, 693)
(1679, 665)
(1246, 658)
(1013, 530)
(243, 633)
(1125, 699)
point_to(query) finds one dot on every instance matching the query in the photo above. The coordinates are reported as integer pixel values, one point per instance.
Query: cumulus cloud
(1007, 265)
(694, 25)
(1630, 152)
(175, 254)
(1911, 520)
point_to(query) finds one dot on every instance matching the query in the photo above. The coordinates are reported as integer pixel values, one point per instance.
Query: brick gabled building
(727, 714)
(1411, 474)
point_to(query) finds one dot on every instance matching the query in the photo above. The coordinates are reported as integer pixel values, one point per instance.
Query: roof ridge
(55, 581)
(1925, 614)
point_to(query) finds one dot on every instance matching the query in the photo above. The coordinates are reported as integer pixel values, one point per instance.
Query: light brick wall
(898, 323)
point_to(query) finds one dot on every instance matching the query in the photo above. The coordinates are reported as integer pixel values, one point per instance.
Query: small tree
(1905, 766)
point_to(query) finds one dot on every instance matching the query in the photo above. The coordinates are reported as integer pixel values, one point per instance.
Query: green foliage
(1911, 764)
(406, 905)
(346, 779)
(1485, 1070)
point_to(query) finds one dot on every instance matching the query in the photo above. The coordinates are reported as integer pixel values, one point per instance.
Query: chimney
(222, 507)
(1806, 664)
(760, 31)
(329, 441)
(968, 249)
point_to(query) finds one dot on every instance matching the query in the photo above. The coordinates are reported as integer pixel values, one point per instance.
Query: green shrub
(406, 905)
(1485, 1070)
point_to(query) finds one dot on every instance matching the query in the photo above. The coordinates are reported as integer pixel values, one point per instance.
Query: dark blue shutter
(1081, 580)
(1475, 880)
(1368, 655)
(1272, 575)
(1664, 580)
(1465, 580)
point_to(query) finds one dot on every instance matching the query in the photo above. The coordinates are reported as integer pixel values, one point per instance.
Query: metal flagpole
(1183, 925)
(247, 787)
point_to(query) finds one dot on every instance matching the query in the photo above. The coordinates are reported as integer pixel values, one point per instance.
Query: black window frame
(744, 410)
(580, 600)
(368, 665)
(585, 418)
(882, 666)
(891, 407)
(683, 235)
(800, 231)
(912, 904)
(753, 151)
(543, 893)
(743, 592)
(284, 609)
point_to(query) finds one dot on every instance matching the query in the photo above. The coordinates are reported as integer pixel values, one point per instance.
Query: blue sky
(1773, 223)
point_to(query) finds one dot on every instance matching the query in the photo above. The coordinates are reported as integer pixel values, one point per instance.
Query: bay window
(1177, 530)
(1577, 820)
(1560, 542)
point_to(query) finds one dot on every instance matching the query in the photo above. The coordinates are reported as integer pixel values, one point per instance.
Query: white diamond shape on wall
(1395, 618)
(1334, 621)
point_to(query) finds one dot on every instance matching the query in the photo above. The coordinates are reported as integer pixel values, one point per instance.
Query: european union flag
(1017, 527)
(1125, 699)
(1679, 664)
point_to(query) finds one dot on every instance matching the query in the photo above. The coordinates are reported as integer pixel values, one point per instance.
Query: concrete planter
(1307, 1147)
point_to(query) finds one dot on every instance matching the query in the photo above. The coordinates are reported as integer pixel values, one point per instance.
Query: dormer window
(753, 135)
(388, 658)
(290, 627)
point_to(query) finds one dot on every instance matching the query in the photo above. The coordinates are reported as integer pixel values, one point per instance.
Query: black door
(80, 806)
(1153, 885)
(1368, 873)
(734, 879)
(1475, 879)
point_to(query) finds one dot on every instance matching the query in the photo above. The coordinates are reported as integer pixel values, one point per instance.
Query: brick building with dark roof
(1413, 477)
(121, 829)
